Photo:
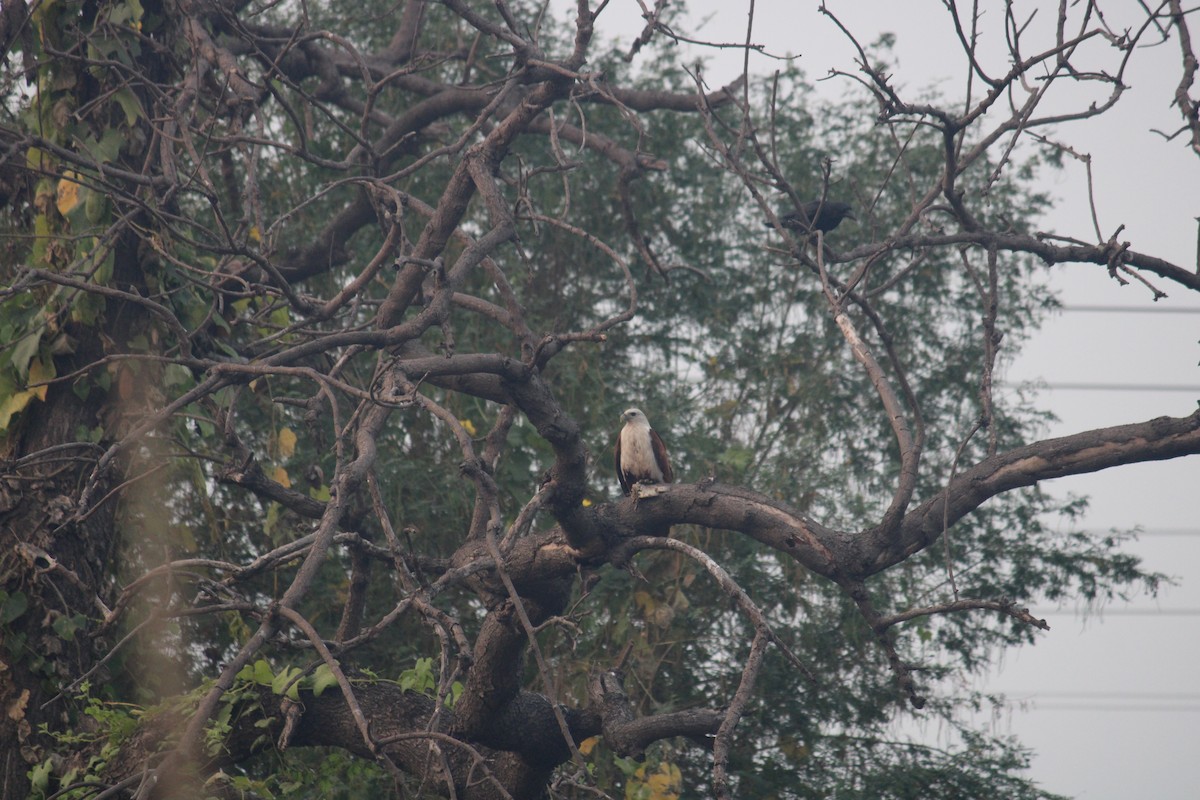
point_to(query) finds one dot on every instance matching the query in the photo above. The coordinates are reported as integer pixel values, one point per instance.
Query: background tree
(316, 330)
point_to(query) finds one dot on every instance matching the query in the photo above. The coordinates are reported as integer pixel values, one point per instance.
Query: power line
(1165, 696)
(1102, 387)
(1172, 702)
(1121, 387)
(1133, 309)
(1098, 707)
(1119, 612)
(1137, 536)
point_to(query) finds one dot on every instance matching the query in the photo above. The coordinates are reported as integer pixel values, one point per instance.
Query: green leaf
(39, 160)
(104, 269)
(272, 520)
(130, 105)
(626, 765)
(12, 606)
(263, 674)
(177, 375)
(24, 352)
(108, 147)
(39, 777)
(281, 317)
(82, 388)
(322, 679)
(127, 13)
(42, 236)
(66, 626)
(95, 206)
(280, 683)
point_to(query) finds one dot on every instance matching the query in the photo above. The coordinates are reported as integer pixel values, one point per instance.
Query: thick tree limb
(1089, 451)
(399, 723)
(629, 735)
(1107, 254)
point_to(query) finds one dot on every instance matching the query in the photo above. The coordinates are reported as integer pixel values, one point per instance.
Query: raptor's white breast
(637, 454)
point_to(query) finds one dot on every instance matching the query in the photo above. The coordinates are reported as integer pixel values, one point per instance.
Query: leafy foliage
(329, 319)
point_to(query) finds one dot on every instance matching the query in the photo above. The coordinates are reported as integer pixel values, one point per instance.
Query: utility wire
(1034, 383)
(1119, 612)
(1098, 707)
(1123, 530)
(1122, 387)
(1133, 309)
(1164, 696)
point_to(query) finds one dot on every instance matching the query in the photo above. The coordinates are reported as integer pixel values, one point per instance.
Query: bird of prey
(816, 215)
(640, 456)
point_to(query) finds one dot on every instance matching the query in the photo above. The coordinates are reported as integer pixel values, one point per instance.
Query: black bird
(816, 216)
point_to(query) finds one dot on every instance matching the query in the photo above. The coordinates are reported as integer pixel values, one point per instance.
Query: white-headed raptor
(640, 456)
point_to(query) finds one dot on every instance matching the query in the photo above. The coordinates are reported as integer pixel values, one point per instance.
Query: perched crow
(816, 216)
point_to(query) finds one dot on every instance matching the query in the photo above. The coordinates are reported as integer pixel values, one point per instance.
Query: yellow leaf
(468, 426)
(635, 784)
(68, 193)
(281, 477)
(37, 159)
(14, 404)
(588, 745)
(287, 442)
(666, 784)
(587, 503)
(644, 601)
(39, 374)
(16, 708)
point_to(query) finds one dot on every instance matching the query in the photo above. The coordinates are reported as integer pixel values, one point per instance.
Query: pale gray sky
(1111, 703)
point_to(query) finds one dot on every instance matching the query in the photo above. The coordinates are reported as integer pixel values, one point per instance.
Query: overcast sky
(1110, 702)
